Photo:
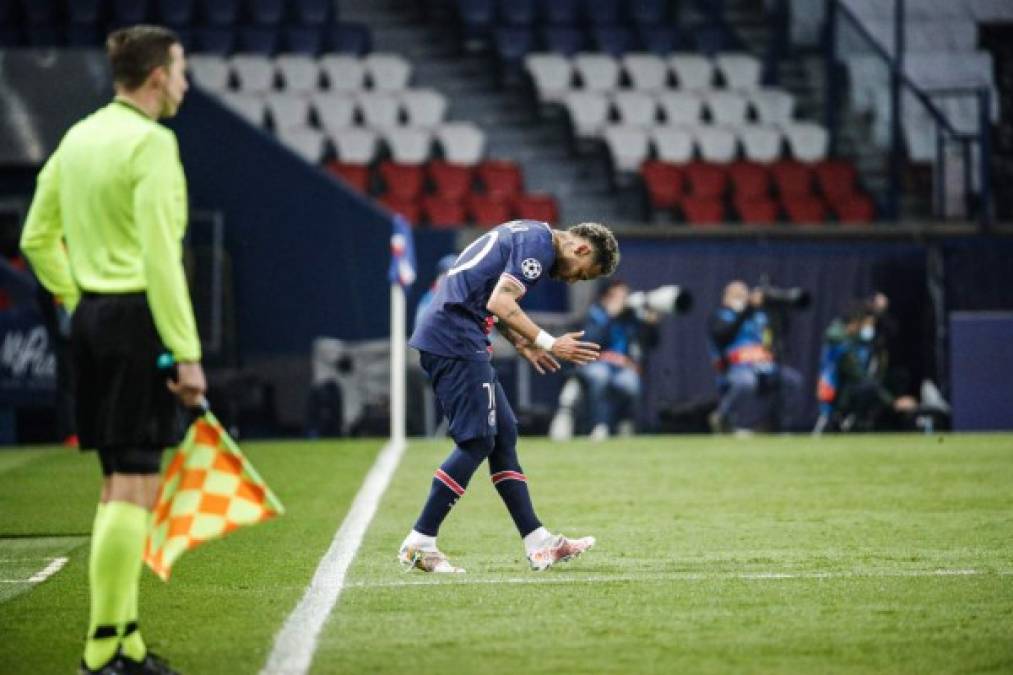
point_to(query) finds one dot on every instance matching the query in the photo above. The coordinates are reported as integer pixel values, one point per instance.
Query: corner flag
(402, 253)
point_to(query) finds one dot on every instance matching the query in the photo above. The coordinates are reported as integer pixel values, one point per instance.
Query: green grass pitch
(861, 554)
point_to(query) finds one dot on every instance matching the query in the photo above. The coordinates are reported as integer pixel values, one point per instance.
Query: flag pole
(397, 363)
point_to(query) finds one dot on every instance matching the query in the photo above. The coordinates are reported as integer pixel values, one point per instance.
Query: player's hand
(569, 348)
(541, 360)
(189, 384)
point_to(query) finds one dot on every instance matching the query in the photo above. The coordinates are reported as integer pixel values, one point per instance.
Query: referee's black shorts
(123, 407)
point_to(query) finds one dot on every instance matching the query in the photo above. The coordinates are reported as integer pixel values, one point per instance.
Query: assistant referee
(104, 235)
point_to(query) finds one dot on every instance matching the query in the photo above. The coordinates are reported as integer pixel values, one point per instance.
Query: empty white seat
(673, 144)
(808, 141)
(334, 110)
(308, 143)
(717, 144)
(299, 73)
(254, 72)
(726, 107)
(647, 72)
(287, 110)
(629, 146)
(210, 71)
(354, 145)
(589, 112)
(636, 108)
(552, 75)
(388, 72)
(248, 106)
(692, 70)
(379, 109)
(409, 145)
(462, 142)
(740, 71)
(772, 105)
(597, 71)
(681, 107)
(760, 142)
(344, 72)
(424, 107)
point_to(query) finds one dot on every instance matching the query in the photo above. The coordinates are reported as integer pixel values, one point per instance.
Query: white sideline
(54, 566)
(296, 642)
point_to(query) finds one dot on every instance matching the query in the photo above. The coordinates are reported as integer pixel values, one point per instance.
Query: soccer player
(482, 289)
(104, 235)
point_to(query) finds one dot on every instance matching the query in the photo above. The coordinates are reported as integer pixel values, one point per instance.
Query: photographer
(740, 338)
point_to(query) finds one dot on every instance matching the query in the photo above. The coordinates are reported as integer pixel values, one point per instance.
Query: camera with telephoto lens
(669, 299)
(792, 298)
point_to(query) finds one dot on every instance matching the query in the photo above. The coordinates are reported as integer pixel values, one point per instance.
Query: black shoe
(114, 667)
(152, 664)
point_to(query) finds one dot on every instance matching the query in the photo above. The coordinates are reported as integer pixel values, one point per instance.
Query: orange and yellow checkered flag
(209, 489)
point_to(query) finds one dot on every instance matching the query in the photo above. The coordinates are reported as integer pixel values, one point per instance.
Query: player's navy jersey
(456, 323)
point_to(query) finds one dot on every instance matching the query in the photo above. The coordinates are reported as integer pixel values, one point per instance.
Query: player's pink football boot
(558, 549)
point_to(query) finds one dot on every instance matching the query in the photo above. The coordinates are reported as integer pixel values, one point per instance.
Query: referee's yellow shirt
(114, 191)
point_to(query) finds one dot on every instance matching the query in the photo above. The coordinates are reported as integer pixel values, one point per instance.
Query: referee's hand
(189, 384)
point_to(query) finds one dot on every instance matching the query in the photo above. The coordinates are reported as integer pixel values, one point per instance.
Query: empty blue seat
(83, 35)
(647, 12)
(266, 12)
(603, 12)
(477, 13)
(351, 38)
(39, 12)
(45, 36)
(87, 12)
(257, 40)
(561, 11)
(217, 40)
(713, 38)
(221, 12)
(513, 44)
(614, 40)
(565, 40)
(519, 12)
(174, 12)
(129, 12)
(661, 39)
(312, 12)
(302, 40)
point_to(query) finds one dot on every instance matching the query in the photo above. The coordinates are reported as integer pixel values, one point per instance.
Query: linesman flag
(402, 253)
(209, 490)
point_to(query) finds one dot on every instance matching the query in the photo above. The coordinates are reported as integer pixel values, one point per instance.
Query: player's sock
(423, 542)
(449, 483)
(513, 490)
(132, 645)
(536, 539)
(113, 568)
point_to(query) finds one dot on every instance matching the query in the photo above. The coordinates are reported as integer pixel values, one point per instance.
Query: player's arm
(503, 304)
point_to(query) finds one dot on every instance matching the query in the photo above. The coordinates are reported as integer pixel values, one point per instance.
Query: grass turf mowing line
(897, 508)
(226, 599)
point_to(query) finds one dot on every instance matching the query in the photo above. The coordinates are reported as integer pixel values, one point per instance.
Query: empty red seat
(805, 209)
(837, 179)
(706, 180)
(403, 181)
(665, 183)
(489, 210)
(452, 181)
(501, 177)
(355, 175)
(793, 179)
(541, 207)
(855, 208)
(750, 180)
(444, 214)
(703, 210)
(409, 208)
(759, 210)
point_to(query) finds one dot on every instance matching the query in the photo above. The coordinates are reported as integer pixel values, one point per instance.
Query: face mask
(867, 333)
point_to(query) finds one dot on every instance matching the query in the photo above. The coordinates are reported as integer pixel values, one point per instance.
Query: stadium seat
(726, 107)
(714, 38)
(287, 110)
(512, 45)
(805, 209)
(402, 181)
(444, 214)
(706, 180)
(561, 11)
(312, 12)
(476, 15)
(299, 73)
(128, 12)
(349, 38)
(692, 70)
(266, 12)
(552, 75)
(703, 210)
(628, 147)
(250, 107)
(837, 179)
(210, 71)
(740, 71)
(221, 12)
(80, 12)
(462, 142)
(792, 178)
(380, 110)
(450, 181)
(489, 210)
(855, 209)
(257, 40)
(597, 72)
(541, 207)
(424, 107)
(681, 107)
(355, 175)
(255, 73)
(648, 12)
(673, 144)
(750, 181)
(564, 40)
(334, 110)
(409, 145)
(647, 72)
(772, 106)
(519, 12)
(40, 12)
(613, 40)
(808, 141)
(588, 111)
(354, 145)
(344, 72)
(308, 143)
(664, 182)
(214, 40)
(409, 209)
(388, 72)
(635, 108)
(604, 12)
(302, 40)
(660, 40)
(716, 144)
(758, 211)
(501, 177)
(760, 143)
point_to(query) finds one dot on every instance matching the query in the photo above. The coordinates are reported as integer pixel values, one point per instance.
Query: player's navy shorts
(123, 408)
(471, 395)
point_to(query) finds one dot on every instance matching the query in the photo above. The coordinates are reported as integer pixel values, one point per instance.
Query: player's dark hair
(137, 50)
(606, 248)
